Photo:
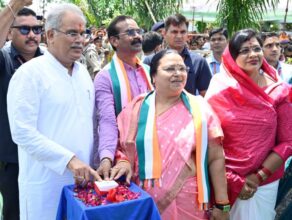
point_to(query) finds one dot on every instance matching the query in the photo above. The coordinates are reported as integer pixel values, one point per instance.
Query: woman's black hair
(155, 61)
(241, 37)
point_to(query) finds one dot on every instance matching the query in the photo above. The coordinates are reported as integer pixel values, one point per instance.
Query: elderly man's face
(66, 42)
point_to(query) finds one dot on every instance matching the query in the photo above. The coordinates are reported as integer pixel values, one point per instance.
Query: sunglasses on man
(25, 30)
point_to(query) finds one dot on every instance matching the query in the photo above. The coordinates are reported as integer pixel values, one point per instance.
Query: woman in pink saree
(169, 141)
(255, 111)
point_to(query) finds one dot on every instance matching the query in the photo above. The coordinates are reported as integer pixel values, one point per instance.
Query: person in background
(101, 51)
(288, 51)
(50, 104)
(201, 41)
(218, 42)
(92, 29)
(91, 57)
(159, 150)
(193, 44)
(283, 36)
(23, 30)
(151, 43)
(284, 197)
(272, 52)
(158, 27)
(116, 84)
(176, 37)
(255, 109)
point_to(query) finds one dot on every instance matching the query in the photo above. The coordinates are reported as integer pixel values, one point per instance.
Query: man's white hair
(56, 14)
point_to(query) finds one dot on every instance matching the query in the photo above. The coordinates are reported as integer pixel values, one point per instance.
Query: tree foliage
(239, 14)
(1, 3)
(101, 12)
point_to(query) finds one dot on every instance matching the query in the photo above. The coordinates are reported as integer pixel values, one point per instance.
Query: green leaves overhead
(1, 3)
(144, 12)
(239, 14)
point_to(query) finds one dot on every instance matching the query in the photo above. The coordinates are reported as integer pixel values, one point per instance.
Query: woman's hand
(249, 188)
(120, 169)
(218, 214)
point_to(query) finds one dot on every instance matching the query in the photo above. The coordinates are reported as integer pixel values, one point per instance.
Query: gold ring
(79, 177)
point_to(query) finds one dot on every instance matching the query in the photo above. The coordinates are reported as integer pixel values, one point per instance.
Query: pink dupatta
(255, 121)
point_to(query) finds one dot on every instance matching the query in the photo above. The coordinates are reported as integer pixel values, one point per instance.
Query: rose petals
(89, 197)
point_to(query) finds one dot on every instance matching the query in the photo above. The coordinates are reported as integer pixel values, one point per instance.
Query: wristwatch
(223, 208)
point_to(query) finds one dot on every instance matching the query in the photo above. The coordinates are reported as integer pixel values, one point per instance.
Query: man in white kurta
(50, 108)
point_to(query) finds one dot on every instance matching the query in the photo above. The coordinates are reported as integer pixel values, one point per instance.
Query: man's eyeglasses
(25, 30)
(176, 68)
(246, 50)
(72, 34)
(132, 32)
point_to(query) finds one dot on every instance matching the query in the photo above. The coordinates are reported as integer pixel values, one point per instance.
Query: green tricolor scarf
(120, 82)
(150, 166)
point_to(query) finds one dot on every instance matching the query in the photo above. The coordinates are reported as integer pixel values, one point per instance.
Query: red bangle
(266, 171)
(260, 178)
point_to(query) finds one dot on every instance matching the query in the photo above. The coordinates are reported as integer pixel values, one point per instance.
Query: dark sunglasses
(25, 30)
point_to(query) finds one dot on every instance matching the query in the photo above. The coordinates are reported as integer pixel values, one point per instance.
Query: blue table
(143, 208)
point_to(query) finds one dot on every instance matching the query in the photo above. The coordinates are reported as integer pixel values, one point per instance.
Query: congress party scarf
(150, 165)
(120, 82)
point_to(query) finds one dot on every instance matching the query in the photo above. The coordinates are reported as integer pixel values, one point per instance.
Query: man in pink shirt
(117, 84)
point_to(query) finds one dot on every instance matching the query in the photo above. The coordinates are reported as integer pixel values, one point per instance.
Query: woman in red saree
(170, 140)
(255, 111)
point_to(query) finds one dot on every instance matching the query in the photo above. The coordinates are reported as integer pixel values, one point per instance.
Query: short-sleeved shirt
(214, 65)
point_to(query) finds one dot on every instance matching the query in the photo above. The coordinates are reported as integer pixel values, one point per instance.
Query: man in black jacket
(176, 36)
(24, 32)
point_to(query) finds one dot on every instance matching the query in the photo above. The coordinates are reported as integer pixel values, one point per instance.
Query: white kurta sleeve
(23, 100)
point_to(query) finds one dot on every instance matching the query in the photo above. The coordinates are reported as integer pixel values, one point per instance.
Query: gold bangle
(123, 161)
(9, 6)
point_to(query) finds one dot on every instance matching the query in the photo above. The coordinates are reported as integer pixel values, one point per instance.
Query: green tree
(145, 12)
(239, 14)
(1, 3)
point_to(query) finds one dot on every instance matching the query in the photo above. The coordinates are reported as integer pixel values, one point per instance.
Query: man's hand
(81, 171)
(120, 169)
(21, 2)
(104, 169)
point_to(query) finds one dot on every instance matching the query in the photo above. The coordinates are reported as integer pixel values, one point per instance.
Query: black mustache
(136, 41)
(29, 40)
(77, 47)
